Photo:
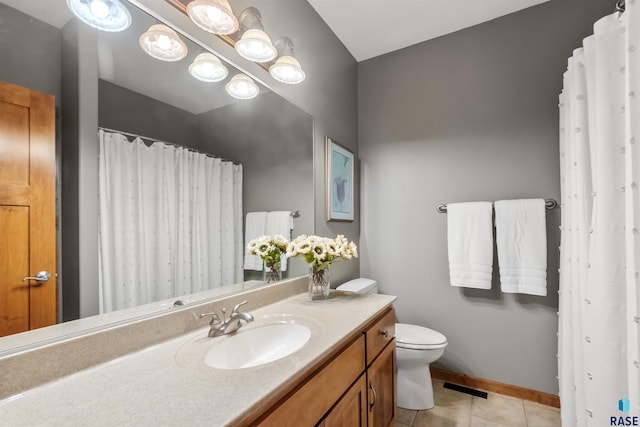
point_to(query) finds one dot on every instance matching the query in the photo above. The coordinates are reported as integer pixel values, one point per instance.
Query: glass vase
(272, 274)
(319, 283)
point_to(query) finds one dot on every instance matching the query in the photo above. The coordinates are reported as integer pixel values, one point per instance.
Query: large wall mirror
(111, 83)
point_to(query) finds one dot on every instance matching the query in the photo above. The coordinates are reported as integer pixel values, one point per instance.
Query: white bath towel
(521, 239)
(470, 237)
(280, 223)
(255, 226)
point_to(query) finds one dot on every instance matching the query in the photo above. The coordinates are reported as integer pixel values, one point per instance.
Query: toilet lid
(415, 335)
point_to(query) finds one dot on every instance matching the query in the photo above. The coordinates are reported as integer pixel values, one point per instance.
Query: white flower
(321, 251)
(269, 248)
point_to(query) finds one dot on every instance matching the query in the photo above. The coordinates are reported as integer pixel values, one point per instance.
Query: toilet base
(415, 390)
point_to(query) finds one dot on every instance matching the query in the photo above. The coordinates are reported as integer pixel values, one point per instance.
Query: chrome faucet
(218, 327)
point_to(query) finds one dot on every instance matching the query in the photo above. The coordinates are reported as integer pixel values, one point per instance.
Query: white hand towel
(255, 226)
(280, 223)
(470, 236)
(521, 239)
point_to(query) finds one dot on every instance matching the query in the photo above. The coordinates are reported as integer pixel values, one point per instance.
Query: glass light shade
(214, 16)
(208, 68)
(163, 43)
(104, 15)
(255, 45)
(242, 87)
(287, 69)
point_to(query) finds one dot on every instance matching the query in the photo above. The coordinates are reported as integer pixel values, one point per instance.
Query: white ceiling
(370, 28)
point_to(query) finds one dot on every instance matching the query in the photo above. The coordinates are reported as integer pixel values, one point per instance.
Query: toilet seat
(416, 337)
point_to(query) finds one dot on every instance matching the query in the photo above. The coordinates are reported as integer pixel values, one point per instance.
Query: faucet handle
(237, 306)
(215, 319)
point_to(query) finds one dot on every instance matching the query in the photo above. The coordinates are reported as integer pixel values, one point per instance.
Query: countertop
(169, 384)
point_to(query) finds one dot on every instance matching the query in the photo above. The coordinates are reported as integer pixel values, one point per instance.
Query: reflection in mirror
(144, 100)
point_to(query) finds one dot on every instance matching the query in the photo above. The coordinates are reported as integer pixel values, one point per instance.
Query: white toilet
(416, 348)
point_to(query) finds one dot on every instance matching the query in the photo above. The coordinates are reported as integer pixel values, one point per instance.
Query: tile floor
(457, 409)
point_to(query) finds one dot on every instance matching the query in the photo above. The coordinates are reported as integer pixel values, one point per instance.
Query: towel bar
(548, 203)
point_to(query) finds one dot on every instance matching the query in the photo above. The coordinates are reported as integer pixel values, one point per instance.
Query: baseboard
(496, 387)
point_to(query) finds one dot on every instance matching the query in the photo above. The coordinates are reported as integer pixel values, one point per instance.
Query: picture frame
(339, 163)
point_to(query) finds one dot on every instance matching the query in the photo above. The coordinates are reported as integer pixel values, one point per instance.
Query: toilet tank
(360, 285)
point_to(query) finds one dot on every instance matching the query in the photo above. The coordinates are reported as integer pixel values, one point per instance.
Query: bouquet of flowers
(270, 249)
(319, 253)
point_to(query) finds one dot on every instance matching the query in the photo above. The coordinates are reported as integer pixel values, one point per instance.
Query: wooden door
(27, 209)
(382, 388)
(351, 410)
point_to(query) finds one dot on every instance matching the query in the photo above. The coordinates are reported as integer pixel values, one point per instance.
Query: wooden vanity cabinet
(382, 388)
(351, 409)
(381, 371)
(354, 388)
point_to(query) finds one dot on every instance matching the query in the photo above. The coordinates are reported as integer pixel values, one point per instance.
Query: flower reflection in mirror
(271, 250)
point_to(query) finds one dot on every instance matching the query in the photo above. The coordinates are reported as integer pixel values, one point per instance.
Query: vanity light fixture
(254, 45)
(163, 43)
(208, 68)
(214, 16)
(286, 69)
(242, 87)
(104, 15)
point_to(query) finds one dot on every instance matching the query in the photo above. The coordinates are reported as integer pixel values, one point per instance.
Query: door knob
(42, 277)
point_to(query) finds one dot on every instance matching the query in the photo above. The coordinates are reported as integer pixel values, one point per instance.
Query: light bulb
(255, 45)
(208, 68)
(163, 42)
(214, 14)
(104, 15)
(287, 70)
(99, 8)
(242, 87)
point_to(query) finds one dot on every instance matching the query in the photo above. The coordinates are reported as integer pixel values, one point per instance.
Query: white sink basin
(257, 346)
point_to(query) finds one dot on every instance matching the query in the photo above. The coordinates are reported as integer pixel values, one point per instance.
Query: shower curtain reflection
(170, 222)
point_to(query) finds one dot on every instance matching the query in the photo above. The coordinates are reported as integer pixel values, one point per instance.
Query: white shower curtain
(600, 245)
(170, 222)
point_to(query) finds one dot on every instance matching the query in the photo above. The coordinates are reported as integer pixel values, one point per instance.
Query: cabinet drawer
(315, 397)
(380, 334)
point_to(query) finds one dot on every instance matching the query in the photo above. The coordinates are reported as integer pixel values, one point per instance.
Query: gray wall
(79, 176)
(40, 70)
(127, 111)
(468, 116)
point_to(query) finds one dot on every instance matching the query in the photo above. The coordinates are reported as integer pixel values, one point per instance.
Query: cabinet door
(311, 401)
(351, 410)
(382, 388)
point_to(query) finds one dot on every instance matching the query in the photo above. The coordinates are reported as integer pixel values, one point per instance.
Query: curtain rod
(548, 203)
(133, 135)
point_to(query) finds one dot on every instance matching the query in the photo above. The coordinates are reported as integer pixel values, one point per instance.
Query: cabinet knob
(385, 333)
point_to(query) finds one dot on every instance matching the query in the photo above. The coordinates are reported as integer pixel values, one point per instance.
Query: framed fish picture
(339, 171)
